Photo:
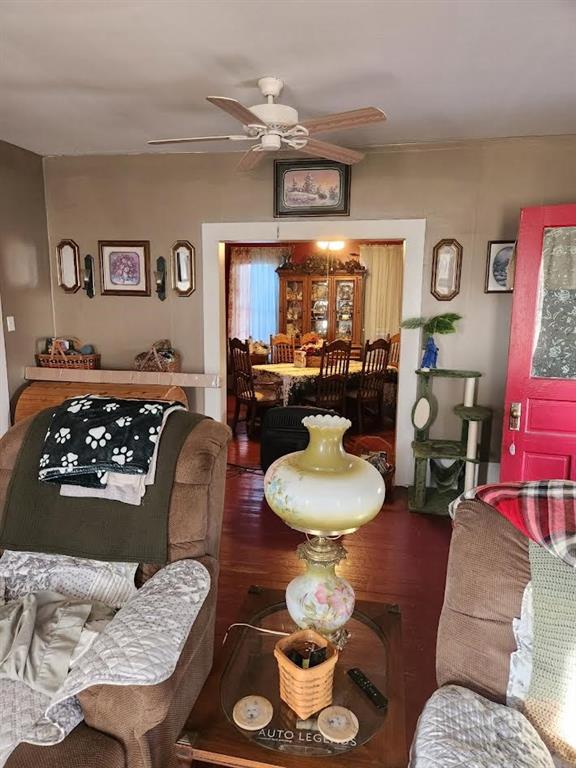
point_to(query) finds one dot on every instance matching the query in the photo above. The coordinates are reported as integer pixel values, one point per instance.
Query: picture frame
(68, 265)
(311, 188)
(500, 265)
(183, 268)
(446, 269)
(124, 267)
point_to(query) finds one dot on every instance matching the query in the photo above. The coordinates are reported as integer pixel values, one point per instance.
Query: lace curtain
(383, 291)
(555, 352)
(253, 292)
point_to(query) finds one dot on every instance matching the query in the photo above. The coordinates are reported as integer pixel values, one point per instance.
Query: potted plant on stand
(441, 324)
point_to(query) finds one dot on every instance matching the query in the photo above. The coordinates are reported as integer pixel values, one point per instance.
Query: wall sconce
(88, 276)
(160, 277)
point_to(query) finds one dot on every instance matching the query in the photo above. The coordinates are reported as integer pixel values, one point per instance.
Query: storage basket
(160, 357)
(306, 691)
(59, 359)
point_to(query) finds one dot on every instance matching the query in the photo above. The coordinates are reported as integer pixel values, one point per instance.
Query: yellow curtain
(383, 291)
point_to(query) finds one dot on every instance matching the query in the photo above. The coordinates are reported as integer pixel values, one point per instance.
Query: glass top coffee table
(246, 665)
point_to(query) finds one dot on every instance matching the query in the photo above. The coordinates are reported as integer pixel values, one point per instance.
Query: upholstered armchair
(137, 726)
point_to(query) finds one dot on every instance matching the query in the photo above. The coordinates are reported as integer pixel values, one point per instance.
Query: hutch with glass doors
(328, 304)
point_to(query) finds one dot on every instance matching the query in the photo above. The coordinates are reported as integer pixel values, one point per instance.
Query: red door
(539, 435)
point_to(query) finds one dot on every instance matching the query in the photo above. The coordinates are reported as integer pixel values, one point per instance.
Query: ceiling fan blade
(332, 152)
(340, 120)
(250, 159)
(202, 138)
(234, 108)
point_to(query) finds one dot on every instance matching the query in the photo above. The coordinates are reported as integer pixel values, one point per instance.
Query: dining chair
(255, 398)
(390, 395)
(281, 348)
(373, 376)
(331, 382)
(394, 357)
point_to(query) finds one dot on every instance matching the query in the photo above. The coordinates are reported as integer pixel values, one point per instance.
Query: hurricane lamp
(325, 493)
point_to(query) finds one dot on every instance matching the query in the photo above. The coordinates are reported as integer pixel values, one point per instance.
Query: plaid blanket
(544, 511)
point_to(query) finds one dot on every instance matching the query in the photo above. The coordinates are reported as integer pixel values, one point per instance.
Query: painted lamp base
(319, 599)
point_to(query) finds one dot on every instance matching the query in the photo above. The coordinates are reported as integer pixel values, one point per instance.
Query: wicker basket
(306, 691)
(59, 359)
(313, 361)
(160, 357)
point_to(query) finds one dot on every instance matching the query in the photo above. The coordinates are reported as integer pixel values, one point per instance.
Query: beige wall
(24, 262)
(471, 191)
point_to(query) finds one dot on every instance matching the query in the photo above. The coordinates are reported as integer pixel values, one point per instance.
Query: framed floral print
(124, 267)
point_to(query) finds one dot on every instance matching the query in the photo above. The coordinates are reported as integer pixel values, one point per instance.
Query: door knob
(514, 416)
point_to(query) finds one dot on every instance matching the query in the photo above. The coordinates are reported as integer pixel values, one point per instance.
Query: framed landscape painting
(500, 262)
(311, 188)
(124, 267)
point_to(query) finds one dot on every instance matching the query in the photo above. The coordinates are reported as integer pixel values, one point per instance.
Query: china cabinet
(329, 305)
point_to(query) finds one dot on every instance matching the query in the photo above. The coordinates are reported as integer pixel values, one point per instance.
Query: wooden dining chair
(373, 377)
(390, 396)
(281, 348)
(331, 383)
(394, 356)
(255, 398)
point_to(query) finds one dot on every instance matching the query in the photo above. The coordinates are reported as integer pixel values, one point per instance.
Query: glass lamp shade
(324, 491)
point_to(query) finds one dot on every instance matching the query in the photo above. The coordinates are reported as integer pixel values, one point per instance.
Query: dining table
(292, 376)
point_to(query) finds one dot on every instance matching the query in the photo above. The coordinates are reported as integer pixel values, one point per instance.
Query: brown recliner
(137, 726)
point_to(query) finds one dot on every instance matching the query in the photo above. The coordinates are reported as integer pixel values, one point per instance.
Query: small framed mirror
(446, 269)
(183, 268)
(68, 262)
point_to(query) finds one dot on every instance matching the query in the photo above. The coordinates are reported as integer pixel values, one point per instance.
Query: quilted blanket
(461, 728)
(140, 646)
(543, 510)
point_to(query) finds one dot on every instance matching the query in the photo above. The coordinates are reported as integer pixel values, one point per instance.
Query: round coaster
(338, 724)
(252, 713)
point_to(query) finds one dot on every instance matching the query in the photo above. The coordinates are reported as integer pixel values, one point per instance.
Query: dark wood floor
(400, 558)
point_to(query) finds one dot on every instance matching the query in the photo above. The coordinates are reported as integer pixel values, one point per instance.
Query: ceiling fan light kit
(276, 126)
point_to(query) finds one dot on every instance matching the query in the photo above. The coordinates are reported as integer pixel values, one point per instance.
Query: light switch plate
(10, 323)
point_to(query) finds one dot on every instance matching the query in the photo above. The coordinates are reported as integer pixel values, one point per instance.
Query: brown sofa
(137, 726)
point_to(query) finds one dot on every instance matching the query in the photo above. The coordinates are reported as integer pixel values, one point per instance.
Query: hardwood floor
(400, 557)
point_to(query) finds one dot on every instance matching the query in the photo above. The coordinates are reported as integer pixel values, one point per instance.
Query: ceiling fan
(275, 126)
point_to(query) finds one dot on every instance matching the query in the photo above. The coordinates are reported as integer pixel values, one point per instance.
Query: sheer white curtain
(253, 292)
(383, 290)
(239, 294)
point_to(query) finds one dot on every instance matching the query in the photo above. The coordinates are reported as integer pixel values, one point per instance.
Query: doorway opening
(284, 298)
(214, 238)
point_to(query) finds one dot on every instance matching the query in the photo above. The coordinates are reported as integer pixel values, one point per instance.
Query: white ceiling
(93, 76)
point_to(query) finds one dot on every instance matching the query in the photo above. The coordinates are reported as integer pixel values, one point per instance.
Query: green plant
(441, 324)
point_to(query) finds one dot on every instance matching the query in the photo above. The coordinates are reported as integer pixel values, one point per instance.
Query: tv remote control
(368, 688)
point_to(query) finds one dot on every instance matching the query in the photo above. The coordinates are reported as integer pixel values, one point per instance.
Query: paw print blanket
(91, 436)
(37, 518)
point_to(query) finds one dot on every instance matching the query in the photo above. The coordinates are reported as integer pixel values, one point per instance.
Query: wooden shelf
(199, 380)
